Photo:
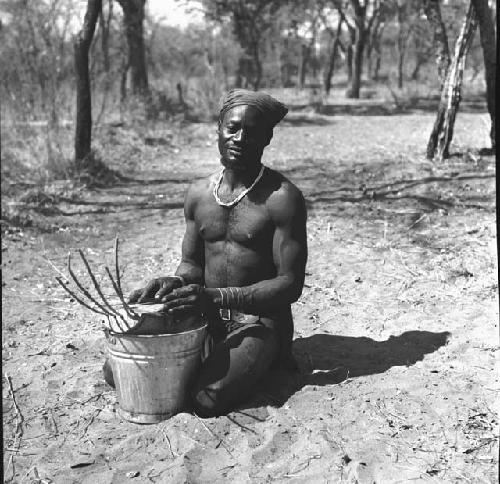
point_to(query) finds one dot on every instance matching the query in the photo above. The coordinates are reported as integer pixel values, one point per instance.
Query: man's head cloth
(272, 110)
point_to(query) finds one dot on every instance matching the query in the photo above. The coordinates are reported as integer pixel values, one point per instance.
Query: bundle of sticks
(100, 304)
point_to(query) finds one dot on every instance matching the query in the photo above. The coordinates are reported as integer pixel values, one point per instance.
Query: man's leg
(230, 372)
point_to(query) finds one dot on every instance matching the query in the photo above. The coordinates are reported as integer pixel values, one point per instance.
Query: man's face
(243, 135)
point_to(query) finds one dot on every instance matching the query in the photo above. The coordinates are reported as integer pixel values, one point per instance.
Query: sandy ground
(396, 330)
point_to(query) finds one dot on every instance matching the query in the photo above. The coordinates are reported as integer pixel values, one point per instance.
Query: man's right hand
(155, 291)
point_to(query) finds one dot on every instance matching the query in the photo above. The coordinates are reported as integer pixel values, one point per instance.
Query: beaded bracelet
(233, 297)
(221, 297)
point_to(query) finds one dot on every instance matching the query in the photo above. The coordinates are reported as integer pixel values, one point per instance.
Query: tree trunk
(401, 43)
(240, 72)
(442, 132)
(440, 39)
(331, 66)
(82, 42)
(401, 57)
(357, 66)
(133, 17)
(374, 74)
(349, 61)
(105, 29)
(488, 43)
(327, 81)
(419, 62)
(357, 71)
(304, 58)
(371, 43)
(378, 63)
(359, 46)
(257, 67)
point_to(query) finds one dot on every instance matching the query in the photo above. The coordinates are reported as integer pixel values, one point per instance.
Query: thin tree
(105, 27)
(440, 39)
(82, 42)
(422, 47)
(374, 48)
(488, 44)
(250, 19)
(364, 15)
(307, 48)
(333, 54)
(442, 132)
(133, 19)
(406, 24)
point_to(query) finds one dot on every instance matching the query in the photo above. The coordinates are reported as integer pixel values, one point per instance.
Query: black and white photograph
(249, 241)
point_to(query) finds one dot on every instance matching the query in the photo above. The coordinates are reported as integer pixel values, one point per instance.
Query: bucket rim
(128, 335)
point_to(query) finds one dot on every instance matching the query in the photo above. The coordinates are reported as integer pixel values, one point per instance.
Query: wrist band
(230, 297)
(221, 297)
(230, 302)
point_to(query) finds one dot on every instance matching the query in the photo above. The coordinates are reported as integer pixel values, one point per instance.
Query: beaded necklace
(240, 196)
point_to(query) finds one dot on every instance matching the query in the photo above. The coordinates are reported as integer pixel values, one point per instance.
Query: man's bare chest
(247, 223)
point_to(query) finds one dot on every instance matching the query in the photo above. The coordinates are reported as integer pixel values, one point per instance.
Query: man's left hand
(186, 300)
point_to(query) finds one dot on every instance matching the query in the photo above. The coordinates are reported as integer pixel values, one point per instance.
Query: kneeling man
(243, 258)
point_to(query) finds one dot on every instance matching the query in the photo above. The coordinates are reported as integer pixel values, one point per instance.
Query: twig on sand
(35, 474)
(244, 427)
(417, 221)
(303, 466)
(16, 406)
(18, 451)
(168, 440)
(220, 439)
(94, 414)
(46, 259)
(413, 273)
(251, 416)
(19, 428)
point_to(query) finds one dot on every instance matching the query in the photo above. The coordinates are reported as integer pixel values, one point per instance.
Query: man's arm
(190, 269)
(193, 253)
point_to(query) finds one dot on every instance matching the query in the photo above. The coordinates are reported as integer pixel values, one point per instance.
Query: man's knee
(207, 402)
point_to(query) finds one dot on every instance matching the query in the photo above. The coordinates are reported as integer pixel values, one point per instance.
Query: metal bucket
(153, 373)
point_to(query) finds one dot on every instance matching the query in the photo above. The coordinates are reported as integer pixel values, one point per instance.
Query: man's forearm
(190, 273)
(258, 298)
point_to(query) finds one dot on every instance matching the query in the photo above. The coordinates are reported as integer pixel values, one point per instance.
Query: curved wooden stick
(84, 304)
(82, 288)
(130, 312)
(117, 270)
(98, 289)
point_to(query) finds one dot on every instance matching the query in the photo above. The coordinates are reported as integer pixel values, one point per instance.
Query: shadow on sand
(325, 359)
(330, 359)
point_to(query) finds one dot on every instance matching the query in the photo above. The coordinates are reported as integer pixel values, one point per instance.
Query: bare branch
(130, 312)
(84, 304)
(117, 270)
(97, 287)
(83, 289)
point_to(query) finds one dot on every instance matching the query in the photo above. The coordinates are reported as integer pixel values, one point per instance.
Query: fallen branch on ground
(18, 434)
